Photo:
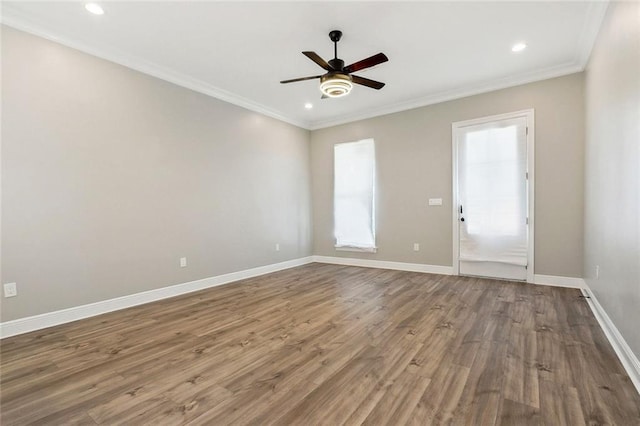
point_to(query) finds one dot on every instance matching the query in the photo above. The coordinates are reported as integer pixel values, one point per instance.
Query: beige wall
(109, 176)
(612, 169)
(413, 151)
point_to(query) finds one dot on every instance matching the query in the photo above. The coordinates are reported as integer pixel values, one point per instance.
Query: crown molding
(463, 92)
(14, 20)
(590, 29)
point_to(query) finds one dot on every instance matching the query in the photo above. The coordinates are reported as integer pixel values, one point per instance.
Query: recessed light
(94, 8)
(518, 47)
(308, 105)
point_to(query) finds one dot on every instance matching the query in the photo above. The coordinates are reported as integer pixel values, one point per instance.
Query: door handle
(461, 218)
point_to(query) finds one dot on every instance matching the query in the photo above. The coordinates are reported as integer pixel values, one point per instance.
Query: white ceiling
(239, 51)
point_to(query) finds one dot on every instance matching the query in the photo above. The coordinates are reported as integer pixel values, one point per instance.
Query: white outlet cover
(435, 201)
(183, 262)
(10, 290)
(416, 247)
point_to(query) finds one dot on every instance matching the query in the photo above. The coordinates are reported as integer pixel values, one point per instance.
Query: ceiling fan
(338, 81)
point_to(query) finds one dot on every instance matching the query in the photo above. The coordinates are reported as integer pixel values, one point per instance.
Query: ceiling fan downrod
(335, 63)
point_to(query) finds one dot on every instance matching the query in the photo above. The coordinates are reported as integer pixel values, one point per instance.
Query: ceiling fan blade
(317, 59)
(366, 82)
(293, 80)
(366, 63)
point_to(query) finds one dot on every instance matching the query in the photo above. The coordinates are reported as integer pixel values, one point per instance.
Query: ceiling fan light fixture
(336, 85)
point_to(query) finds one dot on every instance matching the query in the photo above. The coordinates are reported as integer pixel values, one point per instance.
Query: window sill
(357, 249)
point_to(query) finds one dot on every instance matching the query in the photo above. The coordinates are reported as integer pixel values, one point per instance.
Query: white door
(492, 199)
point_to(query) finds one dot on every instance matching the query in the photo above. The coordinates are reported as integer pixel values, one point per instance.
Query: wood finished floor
(327, 344)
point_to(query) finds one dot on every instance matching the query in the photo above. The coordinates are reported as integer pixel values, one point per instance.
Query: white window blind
(494, 183)
(353, 196)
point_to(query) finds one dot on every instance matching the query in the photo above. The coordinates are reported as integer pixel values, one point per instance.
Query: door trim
(529, 115)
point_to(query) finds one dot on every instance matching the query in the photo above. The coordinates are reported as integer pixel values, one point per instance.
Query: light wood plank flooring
(327, 344)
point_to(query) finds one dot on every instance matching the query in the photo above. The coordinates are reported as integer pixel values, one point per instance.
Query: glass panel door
(492, 193)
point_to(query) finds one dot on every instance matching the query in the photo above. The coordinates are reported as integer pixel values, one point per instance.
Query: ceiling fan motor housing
(336, 64)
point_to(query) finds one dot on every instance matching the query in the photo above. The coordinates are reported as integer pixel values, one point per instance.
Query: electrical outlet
(597, 271)
(416, 247)
(183, 262)
(435, 201)
(277, 247)
(10, 290)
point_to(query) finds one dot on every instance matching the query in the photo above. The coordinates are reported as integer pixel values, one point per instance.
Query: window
(493, 179)
(353, 195)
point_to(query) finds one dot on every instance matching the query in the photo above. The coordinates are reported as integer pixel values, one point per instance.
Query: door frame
(456, 128)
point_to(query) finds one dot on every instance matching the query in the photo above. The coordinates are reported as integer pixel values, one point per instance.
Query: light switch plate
(435, 201)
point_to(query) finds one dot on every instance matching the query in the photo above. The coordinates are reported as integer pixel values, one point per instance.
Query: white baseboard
(383, 264)
(49, 319)
(628, 359)
(550, 280)
(558, 281)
